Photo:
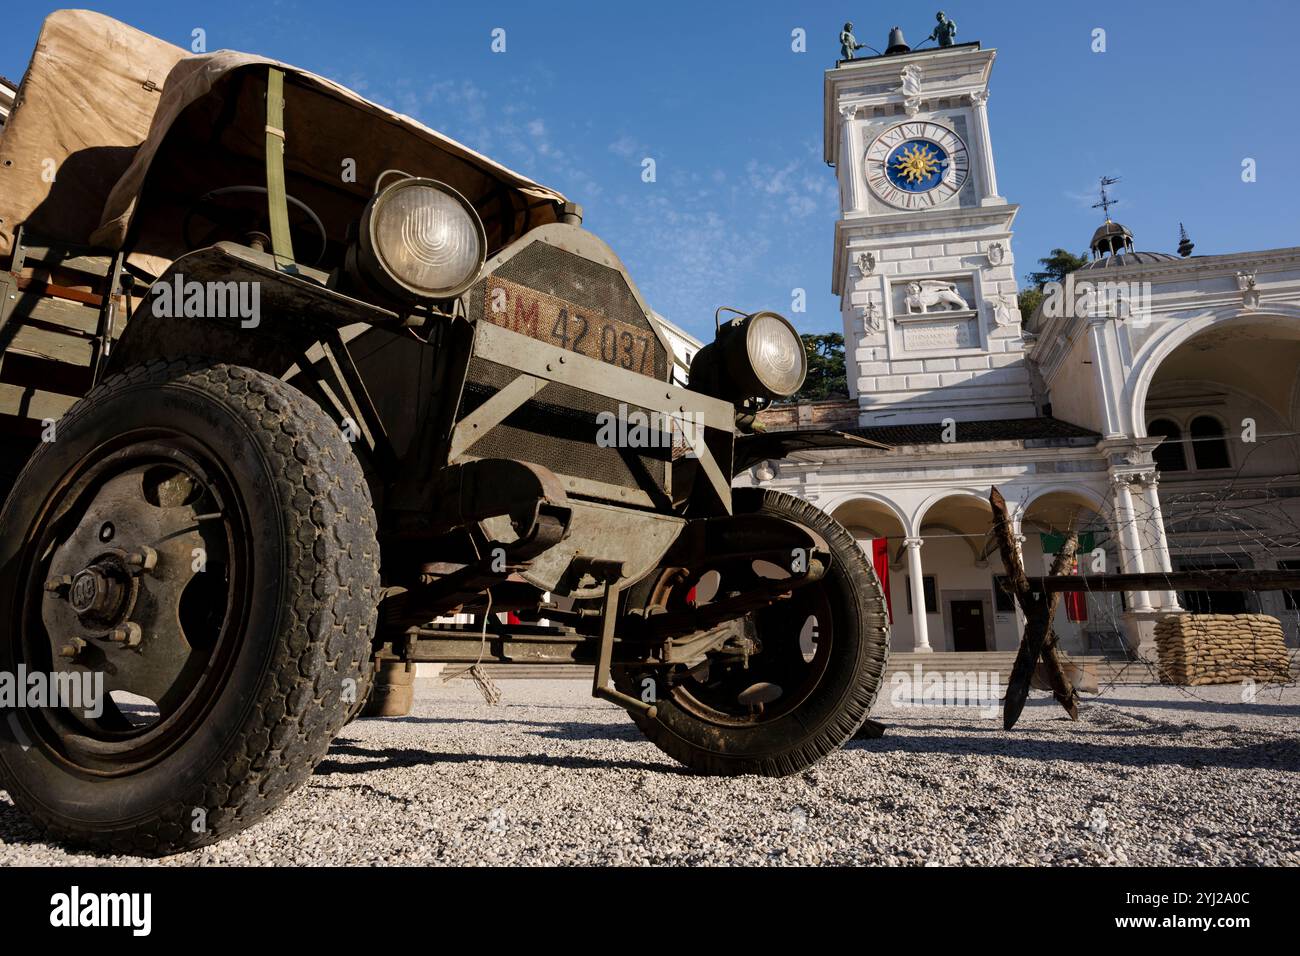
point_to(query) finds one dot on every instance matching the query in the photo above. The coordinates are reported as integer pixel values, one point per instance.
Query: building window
(1209, 449)
(1003, 602)
(1169, 454)
(931, 594)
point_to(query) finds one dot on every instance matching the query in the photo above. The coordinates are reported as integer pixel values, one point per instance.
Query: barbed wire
(1248, 519)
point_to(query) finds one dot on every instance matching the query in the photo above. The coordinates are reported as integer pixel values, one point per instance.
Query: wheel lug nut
(128, 635)
(146, 559)
(58, 585)
(72, 649)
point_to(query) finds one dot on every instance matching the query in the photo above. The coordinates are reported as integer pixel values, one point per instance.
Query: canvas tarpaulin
(83, 107)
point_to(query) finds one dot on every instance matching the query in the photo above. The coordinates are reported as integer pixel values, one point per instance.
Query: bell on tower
(896, 42)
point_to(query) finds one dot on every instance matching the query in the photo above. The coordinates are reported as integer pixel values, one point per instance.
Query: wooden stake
(1039, 638)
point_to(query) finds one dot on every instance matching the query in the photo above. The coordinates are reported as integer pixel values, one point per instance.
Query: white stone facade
(909, 366)
(1057, 418)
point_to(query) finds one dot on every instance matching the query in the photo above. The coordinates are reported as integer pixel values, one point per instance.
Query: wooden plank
(68, 257)
(1220, 580)
(60, 312)
(41, 286)
(46, 344)
(26, 402)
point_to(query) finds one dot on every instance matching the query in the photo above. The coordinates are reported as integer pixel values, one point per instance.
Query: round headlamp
(421, 239)
(755, 356)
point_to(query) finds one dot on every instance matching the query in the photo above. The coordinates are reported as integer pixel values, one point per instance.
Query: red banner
(880, 558)
(1076, 602)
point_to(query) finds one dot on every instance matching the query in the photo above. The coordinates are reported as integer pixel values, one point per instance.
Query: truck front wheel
(807, 677)
(192, 564)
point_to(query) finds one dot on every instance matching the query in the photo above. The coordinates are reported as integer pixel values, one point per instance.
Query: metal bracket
(107, 317)
(358, 399)
(600, 683)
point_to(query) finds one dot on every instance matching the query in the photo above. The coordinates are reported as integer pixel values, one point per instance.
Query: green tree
(826, 377)
(1028, 300)
(1054, 269)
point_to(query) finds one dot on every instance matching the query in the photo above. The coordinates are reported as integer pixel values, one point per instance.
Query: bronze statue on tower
(945, 31)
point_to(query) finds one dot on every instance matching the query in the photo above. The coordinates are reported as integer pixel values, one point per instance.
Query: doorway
(968, 626)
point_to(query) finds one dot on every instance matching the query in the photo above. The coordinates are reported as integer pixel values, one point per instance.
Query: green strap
(276, 193)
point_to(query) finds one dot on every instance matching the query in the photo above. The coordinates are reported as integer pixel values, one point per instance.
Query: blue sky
(743, 206)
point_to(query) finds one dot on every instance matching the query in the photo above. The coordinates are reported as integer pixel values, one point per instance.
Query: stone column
(988, 178)
(1168, 600)
(916, 579)
(1131, 541)
(848, 165)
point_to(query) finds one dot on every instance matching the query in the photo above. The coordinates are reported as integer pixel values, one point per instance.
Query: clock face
(917, 165)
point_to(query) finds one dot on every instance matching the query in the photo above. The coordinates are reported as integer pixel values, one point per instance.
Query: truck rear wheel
(804, 693)
(200, 538)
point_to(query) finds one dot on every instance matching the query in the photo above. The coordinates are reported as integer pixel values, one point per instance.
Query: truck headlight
(754, 356)
(421, 239)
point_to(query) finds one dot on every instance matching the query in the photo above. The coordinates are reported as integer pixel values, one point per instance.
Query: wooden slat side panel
(61, 312)
(39, 283)
(33, 403)
(47, 344)
(68, 258)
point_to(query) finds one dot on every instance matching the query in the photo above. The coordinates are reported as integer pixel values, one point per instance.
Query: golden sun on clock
(917, 165)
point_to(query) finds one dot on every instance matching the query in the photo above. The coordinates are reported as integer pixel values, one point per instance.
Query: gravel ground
(1148, 775)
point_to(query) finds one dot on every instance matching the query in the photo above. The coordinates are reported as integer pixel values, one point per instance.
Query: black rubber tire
(311, 614)
(836, 707)
(13, 453)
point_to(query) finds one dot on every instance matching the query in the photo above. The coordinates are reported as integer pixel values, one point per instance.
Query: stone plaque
(940, 335)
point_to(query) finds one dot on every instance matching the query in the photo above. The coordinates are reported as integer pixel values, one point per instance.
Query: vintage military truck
(288, 379)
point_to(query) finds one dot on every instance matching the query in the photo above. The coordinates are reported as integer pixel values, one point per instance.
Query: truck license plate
(575, 328)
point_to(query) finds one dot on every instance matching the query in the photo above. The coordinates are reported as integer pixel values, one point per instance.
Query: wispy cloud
(626, 147)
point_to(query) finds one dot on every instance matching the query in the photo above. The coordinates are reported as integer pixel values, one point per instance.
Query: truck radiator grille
(558, 430)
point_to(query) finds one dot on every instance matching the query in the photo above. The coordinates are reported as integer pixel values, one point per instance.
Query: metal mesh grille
(558, 430)
(588, 285)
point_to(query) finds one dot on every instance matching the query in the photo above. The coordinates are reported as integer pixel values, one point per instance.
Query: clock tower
(923, 263)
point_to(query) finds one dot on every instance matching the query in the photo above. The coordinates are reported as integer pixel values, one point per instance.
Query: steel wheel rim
(112, 745)
(713, 705)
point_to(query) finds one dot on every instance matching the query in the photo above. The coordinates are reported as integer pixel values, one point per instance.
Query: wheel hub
(99, 595)
(116, 586)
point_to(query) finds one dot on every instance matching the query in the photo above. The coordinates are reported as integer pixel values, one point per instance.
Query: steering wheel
(239, 213)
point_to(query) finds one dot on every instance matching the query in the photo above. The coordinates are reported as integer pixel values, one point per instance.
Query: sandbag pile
(1221, 649)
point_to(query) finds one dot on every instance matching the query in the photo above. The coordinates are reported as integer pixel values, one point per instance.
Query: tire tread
(326, 624)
